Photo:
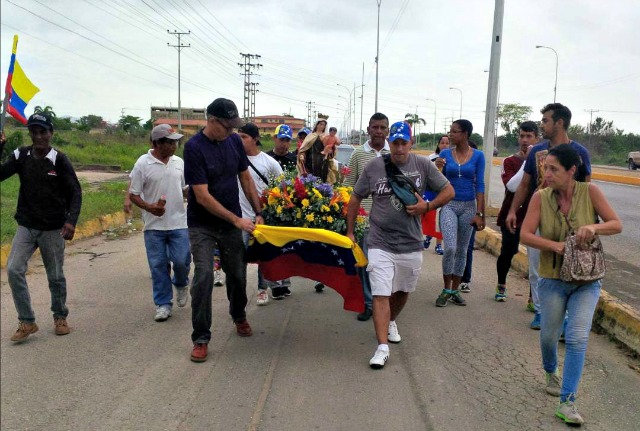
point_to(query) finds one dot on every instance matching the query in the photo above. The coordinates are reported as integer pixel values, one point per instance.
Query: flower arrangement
(295, 201)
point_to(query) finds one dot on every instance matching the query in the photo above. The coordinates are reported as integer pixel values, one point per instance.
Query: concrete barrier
(87, 229)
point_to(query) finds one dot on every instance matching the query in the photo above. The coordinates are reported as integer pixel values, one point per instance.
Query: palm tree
(414, 119)
(47, 110)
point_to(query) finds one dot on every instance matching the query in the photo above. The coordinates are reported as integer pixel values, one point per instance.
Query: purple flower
(325, 189)
(309, 179)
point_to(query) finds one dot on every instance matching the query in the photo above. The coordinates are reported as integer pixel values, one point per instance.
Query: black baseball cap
(251, 130)
(40, 119)
(225, 109)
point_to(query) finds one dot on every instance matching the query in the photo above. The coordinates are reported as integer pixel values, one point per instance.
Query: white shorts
(393, 272)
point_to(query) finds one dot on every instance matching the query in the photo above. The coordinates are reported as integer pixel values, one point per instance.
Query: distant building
(194, 119)
(267, 123)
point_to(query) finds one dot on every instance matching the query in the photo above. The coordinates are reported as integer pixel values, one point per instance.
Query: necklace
(466, 155)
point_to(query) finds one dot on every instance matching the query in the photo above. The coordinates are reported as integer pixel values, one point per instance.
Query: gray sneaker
(465, 287)
(182, 296)
(163, 312)
(393, 336)
(567, 412)
(554, 383)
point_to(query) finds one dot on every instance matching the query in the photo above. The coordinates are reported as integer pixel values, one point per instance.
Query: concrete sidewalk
(306, 366)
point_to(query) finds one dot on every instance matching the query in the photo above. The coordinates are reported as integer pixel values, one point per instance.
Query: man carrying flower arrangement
(376, 146)
(214, 161)
(395, 236)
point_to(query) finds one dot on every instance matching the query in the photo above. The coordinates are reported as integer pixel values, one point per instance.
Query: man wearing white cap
(158, 188)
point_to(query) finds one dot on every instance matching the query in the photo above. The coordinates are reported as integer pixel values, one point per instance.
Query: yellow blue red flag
(19, 90)
(317, 254)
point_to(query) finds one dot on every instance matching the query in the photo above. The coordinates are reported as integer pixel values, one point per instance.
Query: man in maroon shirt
(527, 137)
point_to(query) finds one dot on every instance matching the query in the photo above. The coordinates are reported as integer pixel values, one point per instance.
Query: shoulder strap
(262, 177)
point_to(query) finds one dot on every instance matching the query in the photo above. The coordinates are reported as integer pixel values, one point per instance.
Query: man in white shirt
(158, 188)
(262, 168)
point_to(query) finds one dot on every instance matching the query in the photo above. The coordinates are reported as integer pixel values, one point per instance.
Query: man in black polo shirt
(281, 143)
(214, 160)
(49, 203)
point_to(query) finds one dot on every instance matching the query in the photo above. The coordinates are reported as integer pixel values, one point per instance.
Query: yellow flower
(330, 219)
(305, 203)
(336, 207)
(325, 209)
(299, 214)
(316, 193)
(279, 209)
(309, 217)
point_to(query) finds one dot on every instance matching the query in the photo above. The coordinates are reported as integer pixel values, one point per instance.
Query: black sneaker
(277, 293)
(457, 299)
(365, 315)
(286, 291)
(319, 287)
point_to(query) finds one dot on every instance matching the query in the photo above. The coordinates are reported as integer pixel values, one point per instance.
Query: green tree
(477, 139)
(63, 123)
(129, 123)
(511, 115)
(89, 122)
(148, 125)
(414, 119)
(601, 127)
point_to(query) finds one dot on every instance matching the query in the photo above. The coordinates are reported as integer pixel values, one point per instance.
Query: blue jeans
(533, 255)
(579, 302)
(51, 245)
(163, 248)
(466, 277)
(232, 250)
(363, 274)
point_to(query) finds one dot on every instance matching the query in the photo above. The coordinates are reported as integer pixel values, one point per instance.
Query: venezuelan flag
(317, 254)
(19, 90)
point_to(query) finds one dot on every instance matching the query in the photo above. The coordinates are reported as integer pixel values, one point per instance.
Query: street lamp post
(454, 88)
(354, 107)
(555, 85)
(349, 110)
(377, 54)
(435, 108)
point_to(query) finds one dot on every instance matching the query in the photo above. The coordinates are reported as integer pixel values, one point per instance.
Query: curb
(616, 318)
(87, 229)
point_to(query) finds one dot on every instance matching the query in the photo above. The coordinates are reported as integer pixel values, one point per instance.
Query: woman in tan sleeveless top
(565, 202)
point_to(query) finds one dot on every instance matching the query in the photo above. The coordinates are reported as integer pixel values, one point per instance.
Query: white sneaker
(263, 297)
(392, 335)
(379, 359)
(182, 296)
(163, 312)
(218, 279)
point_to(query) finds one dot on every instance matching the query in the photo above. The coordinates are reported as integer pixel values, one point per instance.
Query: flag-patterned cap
(284, 131)
(400, 130)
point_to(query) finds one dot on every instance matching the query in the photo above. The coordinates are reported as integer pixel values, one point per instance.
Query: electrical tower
(310, 107)
(179, 47)
(247, 67)
(253, 92)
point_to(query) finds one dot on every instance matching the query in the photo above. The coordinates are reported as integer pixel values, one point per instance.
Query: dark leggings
(509, 249)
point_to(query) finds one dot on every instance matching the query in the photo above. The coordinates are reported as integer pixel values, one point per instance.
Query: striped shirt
(359, 159)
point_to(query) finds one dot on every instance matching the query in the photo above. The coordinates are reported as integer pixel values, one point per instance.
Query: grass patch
(105, 198)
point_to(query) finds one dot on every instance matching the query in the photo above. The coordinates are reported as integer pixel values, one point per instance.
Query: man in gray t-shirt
(395, 236)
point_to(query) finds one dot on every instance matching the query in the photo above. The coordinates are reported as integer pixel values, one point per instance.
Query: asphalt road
(305, 368)
(622, 251)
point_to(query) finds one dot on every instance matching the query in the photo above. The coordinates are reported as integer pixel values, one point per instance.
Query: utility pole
(179, 47)
(247, 66)
(253, 99)
(590, 111)
(377, 53)
(361, 105)
(492, 96)
(310, 106)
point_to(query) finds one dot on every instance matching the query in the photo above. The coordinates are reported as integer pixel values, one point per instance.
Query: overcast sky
(112, 55)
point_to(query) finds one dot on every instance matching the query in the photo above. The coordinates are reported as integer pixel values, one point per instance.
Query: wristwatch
(481, 214)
